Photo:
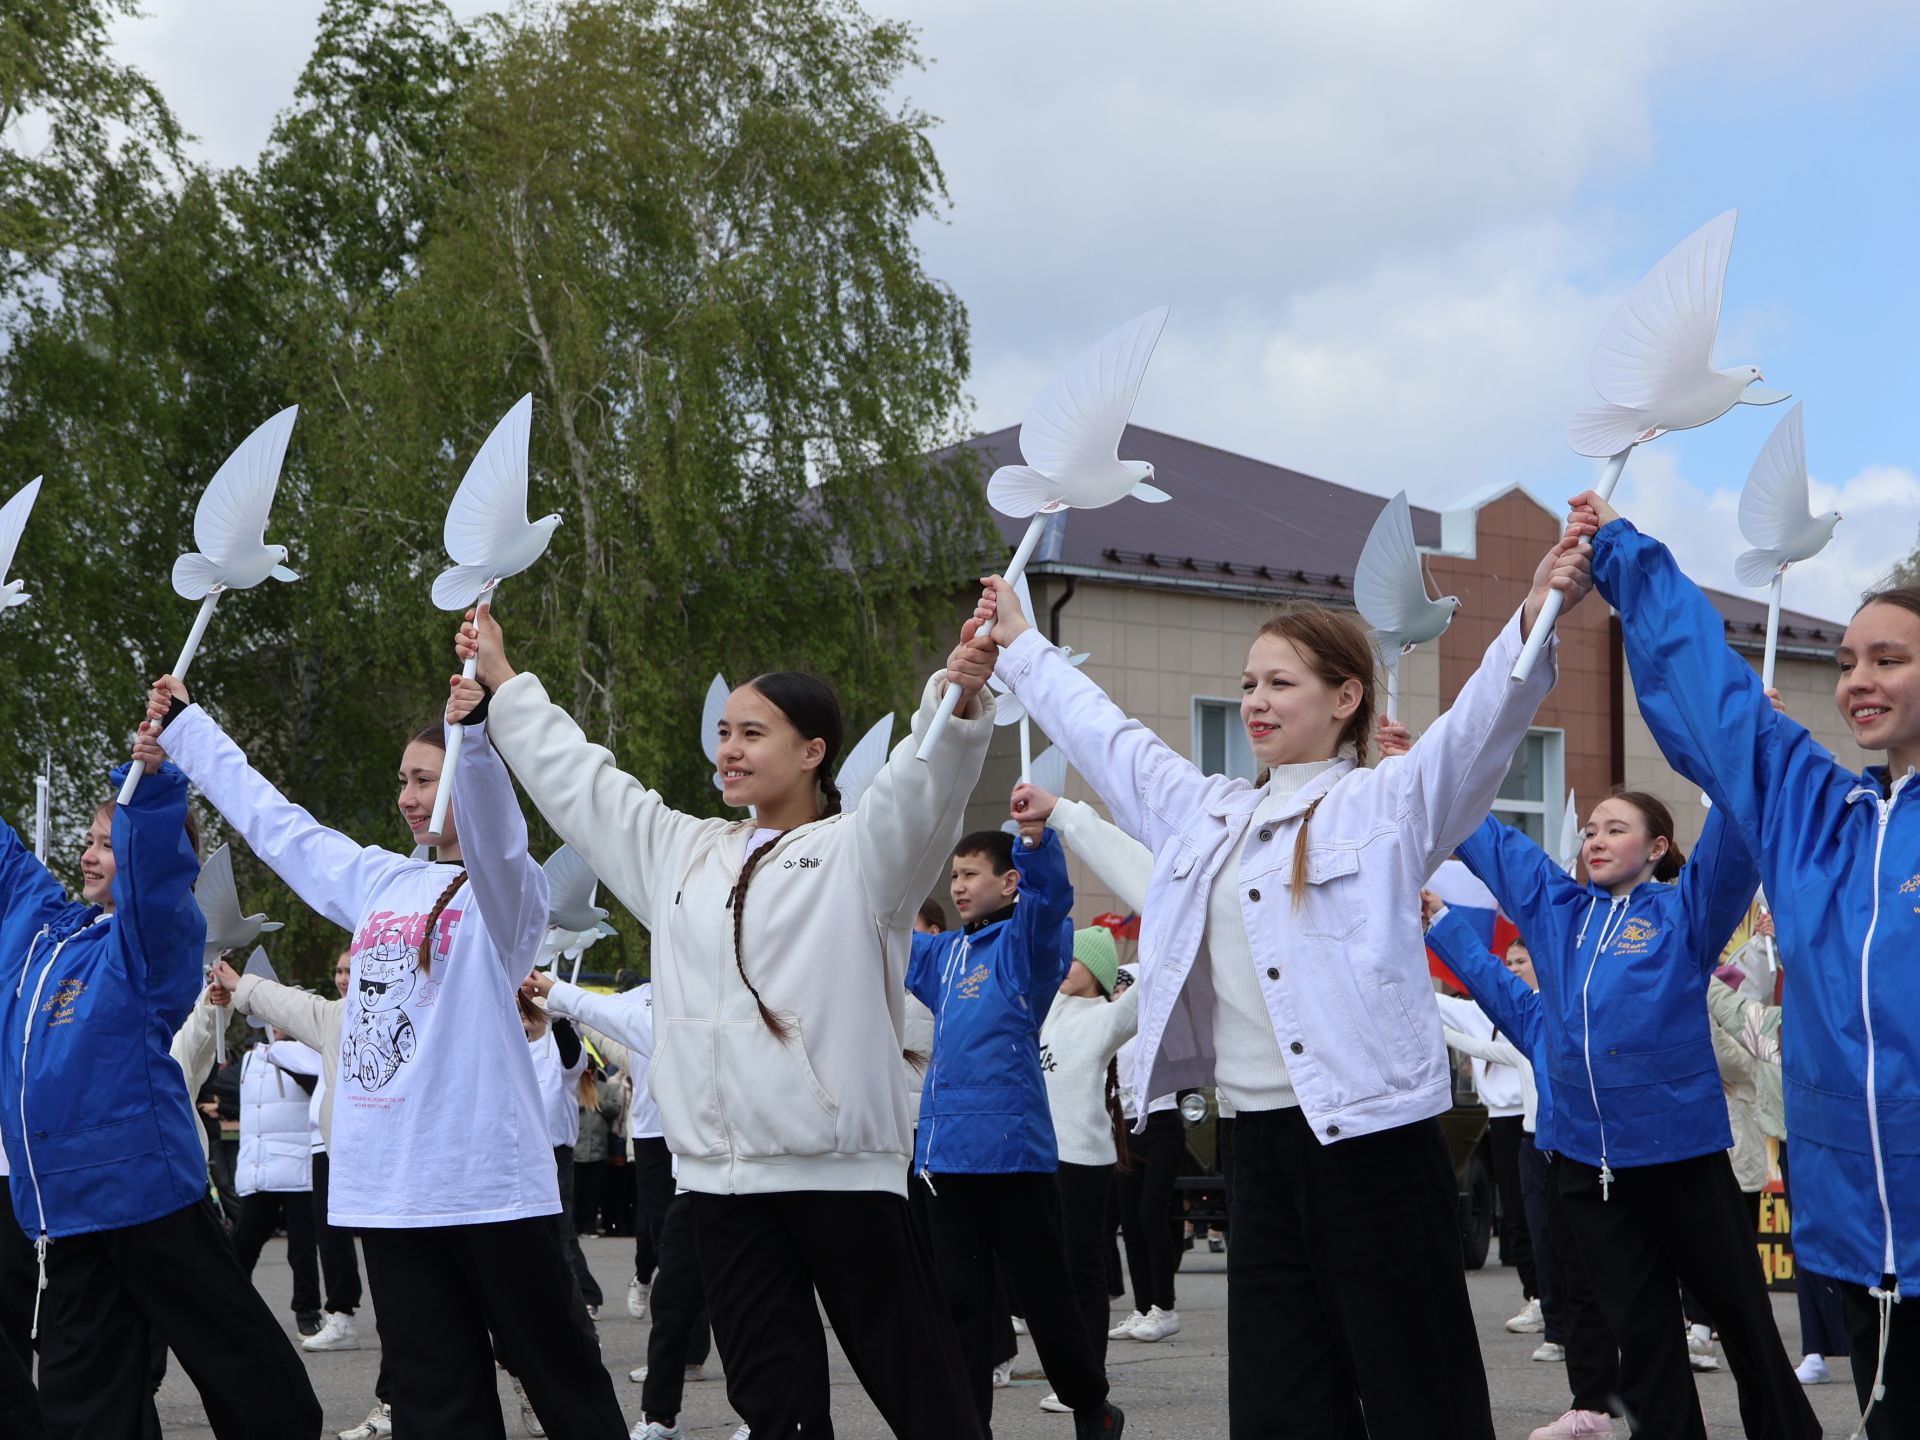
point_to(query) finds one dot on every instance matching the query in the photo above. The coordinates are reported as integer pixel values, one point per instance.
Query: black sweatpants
(677, 1310)
(1505, 1133)
(339, 1266)
(589, 1188)
(1593, 1359)
(260, 1213)
(1015, 1219)
(1346, 1290)
(1536, 1177)
(569, 1237)
(442, 1292)
(175, 1277)
(1083, 1193)
(1661, 1227)
(19, 1277)
(1147, 1224)
(764, 1257)
(652, 1194)
(1896, 1417)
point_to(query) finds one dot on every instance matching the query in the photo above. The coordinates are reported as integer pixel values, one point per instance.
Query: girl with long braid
(439, 1141)
(779, 960)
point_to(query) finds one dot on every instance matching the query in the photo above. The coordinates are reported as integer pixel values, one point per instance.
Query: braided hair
(433, 921)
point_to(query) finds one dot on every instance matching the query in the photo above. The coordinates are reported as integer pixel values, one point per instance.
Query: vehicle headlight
(1193, 1108)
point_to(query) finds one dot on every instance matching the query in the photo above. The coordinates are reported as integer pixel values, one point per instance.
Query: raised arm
(153, 904)
(1046, 905)
(1121, 862)
(329, 873)
(923, 967)
(193, 1044)
(25, 884)
(508, 884)
(623, 1017)
(1717, 886)
(1523, 878)
(296, 1057)
(1503, 995)
(305, 1016)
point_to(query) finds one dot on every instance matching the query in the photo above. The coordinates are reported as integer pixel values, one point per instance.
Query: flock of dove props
(489, 539)
(1071, 443)
(1654, 366)
(230, 527)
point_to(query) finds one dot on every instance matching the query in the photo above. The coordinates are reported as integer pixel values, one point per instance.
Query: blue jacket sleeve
(24, 882)
(1780, 788)
(1046, 904)
(1523, 877)
(1717, 885)
(923, 969)
(1496, 989)
(158, 920)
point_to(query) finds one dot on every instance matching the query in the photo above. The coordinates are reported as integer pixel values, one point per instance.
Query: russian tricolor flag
(1473, 902)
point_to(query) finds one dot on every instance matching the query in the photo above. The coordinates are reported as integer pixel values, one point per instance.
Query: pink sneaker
(1575, 1422)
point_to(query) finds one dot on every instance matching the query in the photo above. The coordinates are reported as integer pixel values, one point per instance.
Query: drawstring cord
(1885, 1298)
(956, 957)
(40, 1254)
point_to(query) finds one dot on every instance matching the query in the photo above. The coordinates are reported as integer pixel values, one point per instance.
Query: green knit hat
(1094, 948)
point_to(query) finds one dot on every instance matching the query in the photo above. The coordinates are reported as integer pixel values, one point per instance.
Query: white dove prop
(711, 714)
(489, 539)
(1570, 837)
(575, 922)
(1390, 589)
(864, 763)
(258, 964)
(1654, 367)
(1777, 519)
(1070, 440)
(13, 521)
(230, 527)
(227, 929)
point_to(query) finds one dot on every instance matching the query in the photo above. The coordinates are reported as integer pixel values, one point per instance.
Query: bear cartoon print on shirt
(388, 990)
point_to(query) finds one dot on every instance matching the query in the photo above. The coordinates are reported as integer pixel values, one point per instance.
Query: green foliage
(686, 228)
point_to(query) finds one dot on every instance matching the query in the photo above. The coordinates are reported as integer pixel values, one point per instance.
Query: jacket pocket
(1332, 908)
(774, 1104)
(680, 1077)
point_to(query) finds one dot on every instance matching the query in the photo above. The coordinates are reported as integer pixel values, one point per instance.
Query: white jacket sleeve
(309, 1019)
(330, 873)
(296, 1057)
(508, 884)
(1123, 1021)
(1123, 864)
(910, 818)
(192, 1051)
(625, 832)
(630, 1024)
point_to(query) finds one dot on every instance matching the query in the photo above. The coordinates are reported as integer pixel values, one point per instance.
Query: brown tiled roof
(1243, 524)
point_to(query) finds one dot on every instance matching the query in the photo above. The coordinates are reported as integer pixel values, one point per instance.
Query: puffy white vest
(275, 1149)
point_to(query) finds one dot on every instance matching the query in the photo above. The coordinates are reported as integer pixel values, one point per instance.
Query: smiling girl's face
(1878, 689)
(1291, 715)
(97, 867)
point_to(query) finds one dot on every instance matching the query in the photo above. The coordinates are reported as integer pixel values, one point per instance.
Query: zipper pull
(927, 1180)
(1606, 1180)
(40, 1254)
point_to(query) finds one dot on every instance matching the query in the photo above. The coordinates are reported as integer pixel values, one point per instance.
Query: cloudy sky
(1389, 232)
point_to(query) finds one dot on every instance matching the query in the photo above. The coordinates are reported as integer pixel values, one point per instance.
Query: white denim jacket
(1344, 973)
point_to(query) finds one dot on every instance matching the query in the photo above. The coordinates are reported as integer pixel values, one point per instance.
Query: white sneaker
(337, 1333)
(1019, 1325)
(1003, 1375)
(379, 1422)
(636, 1299)
(1550, 1352)
(654, 1430)
(1702, 1353)
(1813, 1371)
(1157, 1325)
(1575, 1423)
(1054, 1405)
(695, 1374)
(741, 1434)
(529, 1420)
(1124, 1330)
(1530, 1320)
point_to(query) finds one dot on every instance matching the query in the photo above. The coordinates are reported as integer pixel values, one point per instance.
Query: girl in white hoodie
(779, 960)
(439, 1139)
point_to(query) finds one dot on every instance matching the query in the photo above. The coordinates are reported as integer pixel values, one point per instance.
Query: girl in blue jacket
(108, 1177)
(1638, 1122)
(1839, 854)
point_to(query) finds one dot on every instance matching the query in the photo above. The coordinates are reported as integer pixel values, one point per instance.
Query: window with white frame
(1220, 744)
(1533, 795)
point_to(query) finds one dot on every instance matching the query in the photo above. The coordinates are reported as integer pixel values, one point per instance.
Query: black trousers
(1084, 1190)
(1147, 1222)
(1897, 1416)
(339, 1265)
(19, 1279)
(1506, 1133)
(1346, 1289)
(763, 1258)
(1535, 1179)
(260, 1213)
(442, 1292)
(617, 1206)
(677, 1310)
(1593, 1359)
(1661, 1227)
(569, 1237)
(177, 1278)
(589, 1187)
(652, 1194)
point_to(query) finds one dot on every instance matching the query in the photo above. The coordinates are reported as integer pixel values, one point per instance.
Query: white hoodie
(825, 939)
(436, 1119)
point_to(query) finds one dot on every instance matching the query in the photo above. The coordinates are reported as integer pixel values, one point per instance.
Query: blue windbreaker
(99, 1129)
(1840, 855)
(1513, 1008)
(1623, 992)
(983, 1110)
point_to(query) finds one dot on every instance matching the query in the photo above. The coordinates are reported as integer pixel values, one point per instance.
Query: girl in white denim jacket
(1296, 901)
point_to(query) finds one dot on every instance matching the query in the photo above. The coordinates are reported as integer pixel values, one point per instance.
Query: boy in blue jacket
(108, 1177)
(985, 1147)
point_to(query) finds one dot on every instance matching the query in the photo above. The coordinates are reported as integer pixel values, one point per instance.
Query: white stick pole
(950, 702)
(1026, 751)
(42, 814)
(1773, 630)
(443, 797)
(220, 1018)
(574, 979)
(180, 668)
(1550, 611)
(1393, 687)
